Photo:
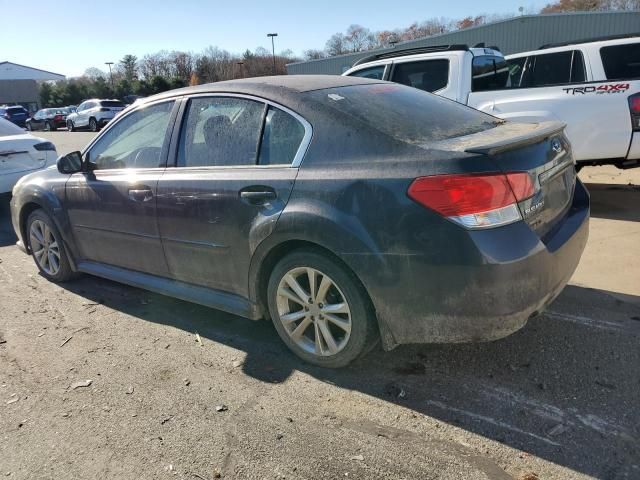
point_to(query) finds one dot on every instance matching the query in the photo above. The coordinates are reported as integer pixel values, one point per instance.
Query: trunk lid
(18, 155)
(541, 150)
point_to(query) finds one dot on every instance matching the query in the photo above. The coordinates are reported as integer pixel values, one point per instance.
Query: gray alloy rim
(93, 125)
(313, 311)
(45, 247)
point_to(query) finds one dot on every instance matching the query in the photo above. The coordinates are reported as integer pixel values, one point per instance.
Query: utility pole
(110, 74)
(273, 50)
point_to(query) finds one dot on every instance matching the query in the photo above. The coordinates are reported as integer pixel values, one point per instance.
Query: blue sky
(69, 36)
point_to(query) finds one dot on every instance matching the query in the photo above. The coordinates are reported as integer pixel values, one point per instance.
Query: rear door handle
(141, 194)
(257, 197)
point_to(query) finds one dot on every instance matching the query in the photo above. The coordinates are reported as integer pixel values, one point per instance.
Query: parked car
(48, 119)
(94, 114)
(21, 153)
(15, 114)
(593, 87)
(345, 209)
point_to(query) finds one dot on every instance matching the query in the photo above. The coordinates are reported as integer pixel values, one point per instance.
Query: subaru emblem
(556, 146)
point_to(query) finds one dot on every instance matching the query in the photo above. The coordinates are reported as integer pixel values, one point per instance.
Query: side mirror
(70, 163)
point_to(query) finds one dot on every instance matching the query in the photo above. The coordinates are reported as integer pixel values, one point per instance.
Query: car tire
(47, 127)
(47, 247)
(332, 327)
(93, 125)
(29, 127)
(70, 126)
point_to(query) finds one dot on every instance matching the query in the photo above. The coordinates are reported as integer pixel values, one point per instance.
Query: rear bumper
(501, 278)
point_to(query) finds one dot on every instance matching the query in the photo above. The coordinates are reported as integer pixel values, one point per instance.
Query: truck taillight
(474, 201)
(634, 109)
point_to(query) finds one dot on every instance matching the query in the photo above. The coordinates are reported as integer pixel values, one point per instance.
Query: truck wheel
(320, 309)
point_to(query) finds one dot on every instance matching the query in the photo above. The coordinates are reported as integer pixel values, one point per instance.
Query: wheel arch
(267, 256)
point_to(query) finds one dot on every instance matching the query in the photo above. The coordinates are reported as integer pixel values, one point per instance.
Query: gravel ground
(100, 380)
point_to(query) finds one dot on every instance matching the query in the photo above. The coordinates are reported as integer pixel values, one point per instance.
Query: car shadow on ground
(615, 202)
(564, 388)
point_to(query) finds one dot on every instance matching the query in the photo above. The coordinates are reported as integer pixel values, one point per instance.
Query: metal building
(18, 84)
(517, 34)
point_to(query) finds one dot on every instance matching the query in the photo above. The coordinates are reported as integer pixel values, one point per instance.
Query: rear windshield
(112, 103)
(621, 62)
(406, 113)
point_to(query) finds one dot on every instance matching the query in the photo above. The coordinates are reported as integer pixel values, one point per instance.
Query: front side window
(375, 73)
(621, 62)
(427, 75)
(135, 141)
(220, 131)
(281, 138)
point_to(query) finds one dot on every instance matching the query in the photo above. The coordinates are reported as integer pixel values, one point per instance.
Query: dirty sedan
(347, 210)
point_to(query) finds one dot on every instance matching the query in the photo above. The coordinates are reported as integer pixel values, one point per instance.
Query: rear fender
(320, 225)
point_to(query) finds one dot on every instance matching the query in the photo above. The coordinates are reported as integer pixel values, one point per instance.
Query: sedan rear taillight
(45, 146)
(634, 109)
(474, 201)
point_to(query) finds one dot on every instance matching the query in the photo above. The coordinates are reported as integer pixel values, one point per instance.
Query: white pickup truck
(593, 87)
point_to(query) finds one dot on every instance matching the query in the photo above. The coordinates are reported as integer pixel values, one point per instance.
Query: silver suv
(94, 114)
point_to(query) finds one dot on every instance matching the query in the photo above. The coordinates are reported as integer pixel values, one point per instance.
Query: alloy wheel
(313, 311)
(45, 247)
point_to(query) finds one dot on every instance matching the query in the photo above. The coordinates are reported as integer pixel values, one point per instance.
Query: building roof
(15, 71)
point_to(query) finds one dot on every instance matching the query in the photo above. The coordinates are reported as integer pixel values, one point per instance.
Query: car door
(82, 120)
(236, 161)
(36, 121)
(112, 207)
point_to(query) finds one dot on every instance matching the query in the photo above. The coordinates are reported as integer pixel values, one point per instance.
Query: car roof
(274, 88)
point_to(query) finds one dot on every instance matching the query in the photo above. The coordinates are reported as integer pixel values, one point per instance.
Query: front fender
(45, 190)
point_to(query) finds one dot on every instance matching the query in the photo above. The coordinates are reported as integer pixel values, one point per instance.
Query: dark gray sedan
(345, 209)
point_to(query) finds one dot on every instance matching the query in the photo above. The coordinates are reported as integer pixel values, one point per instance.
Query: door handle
(140, 195)
(257, 197)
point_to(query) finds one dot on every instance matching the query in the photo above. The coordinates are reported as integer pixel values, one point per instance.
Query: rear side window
(428, 75)
(489, 73)
(406, 114)
(374, 72)
(220, 131)
(281, 138)
(111, 103)
(621, 62)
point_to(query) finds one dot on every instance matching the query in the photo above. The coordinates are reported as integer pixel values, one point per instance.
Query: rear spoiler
(506, 137)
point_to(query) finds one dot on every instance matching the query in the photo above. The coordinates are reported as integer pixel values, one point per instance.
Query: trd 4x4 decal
(598, 89)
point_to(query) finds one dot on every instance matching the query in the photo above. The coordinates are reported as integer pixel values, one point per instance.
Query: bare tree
(336, 45)
(359, 39)
(314, 54)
